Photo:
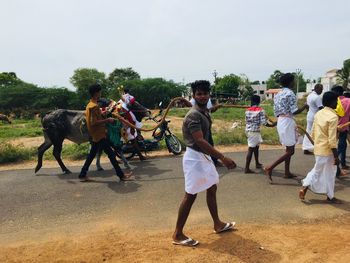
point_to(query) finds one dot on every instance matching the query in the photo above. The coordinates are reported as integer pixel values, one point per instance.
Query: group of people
(325, 117)
(325, 120)
(96, 125)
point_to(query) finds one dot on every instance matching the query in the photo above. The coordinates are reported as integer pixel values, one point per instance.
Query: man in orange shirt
(97, 130)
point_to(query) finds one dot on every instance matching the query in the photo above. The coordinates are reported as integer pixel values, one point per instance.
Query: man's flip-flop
(127, 178)
(227, 227)
(87, 180)
(189, 242)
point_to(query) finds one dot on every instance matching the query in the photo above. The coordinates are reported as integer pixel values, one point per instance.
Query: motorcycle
(162, 132)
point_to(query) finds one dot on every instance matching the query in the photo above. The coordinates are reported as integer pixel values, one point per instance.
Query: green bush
(75, 151)
(10, 153)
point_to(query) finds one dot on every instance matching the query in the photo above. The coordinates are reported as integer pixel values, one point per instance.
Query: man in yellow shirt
(97, 130)
(321, 178)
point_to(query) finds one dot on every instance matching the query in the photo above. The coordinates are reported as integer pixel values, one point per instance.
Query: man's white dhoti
(321, 178)
(254, 139)
(199, 171)
(287, 132)
(307, 145)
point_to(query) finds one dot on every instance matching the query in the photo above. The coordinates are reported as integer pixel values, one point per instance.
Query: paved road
(40, 204)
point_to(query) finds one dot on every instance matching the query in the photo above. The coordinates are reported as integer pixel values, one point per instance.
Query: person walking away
(314, 101)
(321, 178)
(285, 107)
(199, 170)
(254, 117)
(97, 130)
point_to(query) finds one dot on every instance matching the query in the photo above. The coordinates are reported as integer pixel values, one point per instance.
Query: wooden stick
(119, 117)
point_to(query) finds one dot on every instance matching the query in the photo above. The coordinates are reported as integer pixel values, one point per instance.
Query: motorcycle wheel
(173, 144)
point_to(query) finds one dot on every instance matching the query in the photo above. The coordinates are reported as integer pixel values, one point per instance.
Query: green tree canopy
(120, 75)
(273, 80)
(19, 95)
(83, 78)
(9, 79)
(149, 92)
(228, 84)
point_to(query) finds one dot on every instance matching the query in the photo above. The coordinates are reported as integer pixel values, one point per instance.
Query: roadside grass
(20, 128)
(222, 135)
(10, 153)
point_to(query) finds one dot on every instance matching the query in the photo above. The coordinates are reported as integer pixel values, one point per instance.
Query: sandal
(189, 242)
(228, 226)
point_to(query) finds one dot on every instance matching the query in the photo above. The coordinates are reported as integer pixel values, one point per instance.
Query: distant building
(260, 89)
(328, 81)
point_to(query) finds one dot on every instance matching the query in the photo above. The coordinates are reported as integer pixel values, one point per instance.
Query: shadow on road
(344, 206)
(244, 249)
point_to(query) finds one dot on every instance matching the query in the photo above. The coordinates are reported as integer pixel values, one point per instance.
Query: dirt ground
(326, 241)
(320, 241)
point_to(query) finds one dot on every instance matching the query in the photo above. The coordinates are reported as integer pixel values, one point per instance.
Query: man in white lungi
(254, 118)
(211, 108)
(321, 178)
(285, 106)
(314, 101)
(199, 170)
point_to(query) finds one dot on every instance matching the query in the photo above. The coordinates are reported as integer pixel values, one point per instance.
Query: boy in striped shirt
(254, 117)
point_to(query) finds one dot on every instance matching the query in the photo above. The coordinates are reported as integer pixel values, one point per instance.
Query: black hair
(103, 102)
(94, 88)
(318, 85)
(286, 79)
(329, 98)
(346, 94)
(255, 100)
(338, 90)
(126, 90)
(202, 85)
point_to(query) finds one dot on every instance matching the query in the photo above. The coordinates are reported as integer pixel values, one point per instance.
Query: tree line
(25, 99)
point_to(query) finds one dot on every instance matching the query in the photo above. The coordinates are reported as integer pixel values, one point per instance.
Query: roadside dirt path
(300, 242)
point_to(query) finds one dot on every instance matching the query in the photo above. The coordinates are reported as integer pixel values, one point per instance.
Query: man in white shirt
(314, 101)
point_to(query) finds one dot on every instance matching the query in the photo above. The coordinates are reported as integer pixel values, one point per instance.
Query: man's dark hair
(94, 88)
(103, 102)
(202, 85)
(255, 100)
(338, 90)
(346, 94)
(126, 90)
(329, 98)
(286, 79)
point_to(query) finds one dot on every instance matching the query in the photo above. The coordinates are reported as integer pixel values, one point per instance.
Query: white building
(328, 81)
(260, 89)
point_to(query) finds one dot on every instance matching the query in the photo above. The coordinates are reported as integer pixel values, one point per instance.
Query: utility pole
(215, 74)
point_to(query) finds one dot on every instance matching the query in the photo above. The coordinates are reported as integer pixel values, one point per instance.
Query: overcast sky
(44, 41)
